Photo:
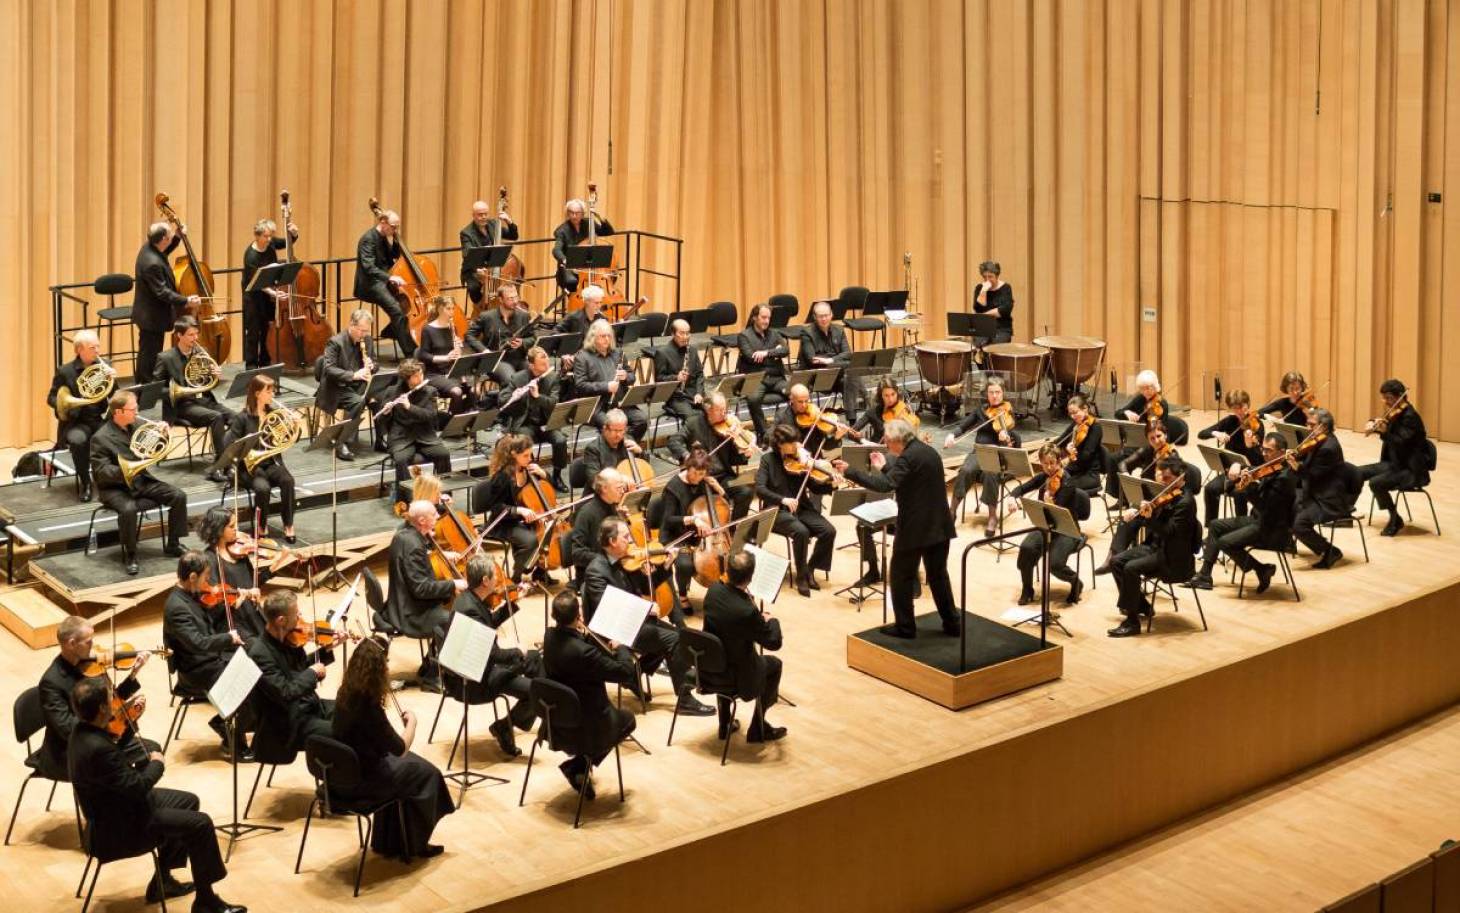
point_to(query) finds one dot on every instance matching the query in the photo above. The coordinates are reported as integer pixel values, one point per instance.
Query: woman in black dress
(512, 461)
(388, 769)
(995, 296)
(271, 473)
(438, 351)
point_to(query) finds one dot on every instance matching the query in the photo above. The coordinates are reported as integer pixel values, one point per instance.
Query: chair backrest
(698, 319)
(838, 309)
(784, 301)
(332, 761)
(558, 706)
(374, 595)
(1353, 481)
(781, 314)
(112, 284)
(851, 298)
(702, 649)
(28, 715)
(722, 314)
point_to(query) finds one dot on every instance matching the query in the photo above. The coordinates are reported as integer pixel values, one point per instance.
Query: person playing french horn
(262, 467)
(191, 374)
(79, 390)
(121, 452)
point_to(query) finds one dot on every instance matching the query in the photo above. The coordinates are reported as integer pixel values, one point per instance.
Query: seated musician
(232, 560)
(657, 639)
(824, 345)
(762, 348)
(1085, 459)
(612, 447)
(438, 351)
(1239, 431)
(75, 636)
(886, 405)
(505, 327)
(376, 253)
(677, 515)
(1146, 460)
(270, 473)
(344, 373)
(201, 641)
(1269, 525)
(196, 410)
(1172, 532)
(126, 811)
(715, 432)
(571, 233)
(995, 296)
(498, 496)
(113, 442)
(260, 304)
(798, 495)
(608, 492)
(76, 429)
(416, 599)
(413, 435)
(1148, 403)
(576, 323)
(528, 399)
(995, 424)
(741, 626)
(1322, 495)
(286, 699)
(811, 423)
(478, 233)
(1053, 486)
(679, 362)
(601, 370)
(1290, 405)
(1404, 457)
(573, 657)
(388, 767)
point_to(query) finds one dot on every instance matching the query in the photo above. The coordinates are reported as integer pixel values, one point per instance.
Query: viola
(795, 466)
(263, 548)
(815, 418)
(734, 430)
(501, 588)
(1168, 494)
(1308, 444)
(1381, 424)
(322, 633)
(1154, 408)
(1000, 417)
(1082, 429)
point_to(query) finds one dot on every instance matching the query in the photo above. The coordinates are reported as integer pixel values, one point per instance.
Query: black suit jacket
(922, 509)
(583, 540)
(725, 461)
(170, 367)
(108, 444)
(598, 576)
(112, 792)
(338, 364)
(670, 359)
(471, 236)
(414, 588)
(1176, 534)
(749, 342)
(413, 422)
(65, 376)
(773, 482)
(200, 645)
(731, 616)
(1322, 477)
(570, 659)
(833, 345)
(1404, 444)
(156, 302)
(55, 692)
(598, 455)
(1274, 500)
(286, 696)
(530, 411)
(374, 256)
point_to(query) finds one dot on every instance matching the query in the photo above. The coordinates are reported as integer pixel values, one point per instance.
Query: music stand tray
(581, 257)
(858, 456)
(562, 413)
(275, 274)
(1219, 459)
(379, 383)
(485, 257)
(476, 363)
(239, 386)
(1292, 434)
(825, 379)
(459, 425)
(1118, 434)
(637, 395)
(1136, 489)
(728, 384)
(751, 383)
(636, 500)
(149, 394)
(806, 377)
(754, 529)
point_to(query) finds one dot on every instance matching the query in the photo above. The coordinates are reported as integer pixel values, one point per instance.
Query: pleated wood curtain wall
(1255, 172)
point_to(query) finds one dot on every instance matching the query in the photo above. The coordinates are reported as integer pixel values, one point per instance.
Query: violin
(900, 410)
(1001, 417)
(263, 548)
(1381, 424)
(1052, 486)
(502, 588)
(739, 433)
(124, 713)
(1256, 473)
(1170, 493)
(818, 470)
(213, 595)
(815, 418)
(647, 555)
(1306, 446)
(322, 633)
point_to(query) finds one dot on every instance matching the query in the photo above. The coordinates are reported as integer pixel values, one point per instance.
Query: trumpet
(279, 430)
(94, 385)
(201, 374)
(149, 444)
(401, 400)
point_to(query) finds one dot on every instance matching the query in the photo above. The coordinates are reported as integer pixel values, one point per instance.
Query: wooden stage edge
(926, 837)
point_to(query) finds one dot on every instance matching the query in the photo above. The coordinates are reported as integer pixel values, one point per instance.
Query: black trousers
(523, 542)
(555, 439)
(127, 504)
(407, 455)
(185, 834)
(351, 404)
(270, 475)
(623, 727)
(567, 279)
(1211, 495)
(969, 475)
(638, 422)
(656, 644)
(772, 392)
(399, 328)
(1131, 566)
(904, 573)
(196, 412)
(76, 435)
(453, 389)
(1385, 479)
(803, 526)
(1061, 548)
(1124, 537)
(149, 346)
(770, 695)
(739, 496)
(1310, 515)
(1232, 536)
(256, 320)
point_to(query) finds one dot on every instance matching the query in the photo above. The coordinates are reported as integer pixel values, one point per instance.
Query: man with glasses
(113, 443)
(1269, 524)
(75, 430)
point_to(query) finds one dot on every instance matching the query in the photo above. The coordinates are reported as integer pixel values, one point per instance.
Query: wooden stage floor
(847, 731)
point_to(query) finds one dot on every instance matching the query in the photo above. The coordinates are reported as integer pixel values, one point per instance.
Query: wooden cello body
(300, 328)
(510, 272)
(193, 277)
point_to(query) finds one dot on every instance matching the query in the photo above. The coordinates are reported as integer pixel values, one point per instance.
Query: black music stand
(237, 828)
(728, 384)
(467, 425)
(148, 395)
(466, 778)
(475, 363)
(859, 456)
(878, 525)
(1135, 489)
(1052, 520)
(1117, 435)
(561, 343)
(1292, 434)
(485, 257)
(843, 501)
(1005, 463)
(873, 358)
(228, 461)
(274, 275)
(753, 529)
(1220, 459)
(582, 257)
(628, 331)
(242, 379)
(329, 438)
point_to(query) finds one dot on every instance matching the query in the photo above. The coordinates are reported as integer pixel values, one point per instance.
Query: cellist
(507, 475)
(691, 483)
(259, 305)
(376, 253)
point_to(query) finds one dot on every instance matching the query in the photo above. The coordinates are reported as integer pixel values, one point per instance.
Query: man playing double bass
(376, 253)
(156, 303)
(478, 233)
(571, 233)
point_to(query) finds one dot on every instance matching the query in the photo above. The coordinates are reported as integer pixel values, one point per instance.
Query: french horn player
(123, 451)
(79, 391)
(191, 374)
(262, 469)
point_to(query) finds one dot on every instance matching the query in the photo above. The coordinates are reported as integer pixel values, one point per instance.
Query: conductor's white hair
(897, 430)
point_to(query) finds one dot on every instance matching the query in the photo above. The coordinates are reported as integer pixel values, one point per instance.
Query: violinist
(512, 460)
(75, 636)
(413, 434)
(528, 400)
(600, 370)
(1269, 525)
(679, 362)
(286, 697)
(799, 413)
(1322, 495)
(376, 253)
(417, 599)
(271, 473)
(608, 492)
(691, 483)
(994, 295)
(1054, 486)
(75, 430)
(156, 304)
(1404, 460)
(1239, 431)
(260, 305)
(1146, 459)
(345, 370)
(572, 232)
(1291, 404)
(1084, 458)
(886, 405)
(729, 444)
(762, 348)
(438, 351)
(995, 423)
(790, 482)
(611, 447)
(201, 642)
(1172, 535)
(1147, 404)
(479, 232)
(200, 410)
(232, 573)
(733, 617)
(113, 442)
(506, 328)
(127, 812)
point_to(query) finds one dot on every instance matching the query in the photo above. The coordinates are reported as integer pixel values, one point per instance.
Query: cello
(714, 549)
(193, 277)
(541, 500)
(512, 271)
(422, 284)
(300, 329)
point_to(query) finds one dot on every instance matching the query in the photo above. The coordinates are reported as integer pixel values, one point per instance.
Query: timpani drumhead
(1021, 363)
(1072, 359)
(943, 362)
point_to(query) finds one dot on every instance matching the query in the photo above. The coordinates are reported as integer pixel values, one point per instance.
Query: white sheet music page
(875, 511)
(467, 648)
(770, 570)
(619, 616)
(234, 684)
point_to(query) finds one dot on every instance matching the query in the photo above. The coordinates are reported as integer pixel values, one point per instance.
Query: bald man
(478, 233)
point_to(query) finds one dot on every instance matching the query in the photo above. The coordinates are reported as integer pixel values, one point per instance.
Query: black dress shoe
(221, 728)
(1391, 528)
(873, 576)
(952, 628)
(1026, 597)
(895, 631)
(431, 850)
(432, 685)
(765, 733)
(559, 485)
(1076, 588)
(217, 905)
(577, 781)
(726, 730)
(502, 730)
(131, 564)
(169, 888)
(86, 493)
(291, 540)
(802, 587)
(1128, 628)
(1329, 559)
(173, 549)
(811, 580)
(245, 754)
(1264, 576)
(217, 477)
(688, 706)
(1103, 569)
(343, 453)
(1200, 582)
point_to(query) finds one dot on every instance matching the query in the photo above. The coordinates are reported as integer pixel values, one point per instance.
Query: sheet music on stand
(770, 571)
(1218, 459)
(1118, 434)
(1292, 434)
(619, 616)
(876, 513)
(468, 647)
(1058, 520)
(1004, 461)
(858, 456)
(754, 529)
(234, 684)
(1136, 489)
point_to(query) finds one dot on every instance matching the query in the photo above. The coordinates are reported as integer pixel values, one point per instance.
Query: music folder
(1137, 489)
(274, 275)
(486, 257)
(1056, 519)
(599, 256)
(239, 385)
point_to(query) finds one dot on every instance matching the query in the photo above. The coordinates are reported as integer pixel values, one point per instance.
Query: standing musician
(1054, 486)
(611, 447)
(1084, 458)
(1291, 404)
(75, 430)
(609, 486)
(1404, 460)
(571, 233)
(679, 362)
(417, 599)
(715, 431)
(789, 481)
(197, 410)
(126, 812)
(344, 371)
(741, 626)
(233, 562)
(762, 349)
(573, 657)
(528, 399)
(260, 305)
(286, 698)
(1172, 533)
(412, 434)
(438, 351)
(376, 253)
(1269, 525)
(201, 642)
(691, 482)
(995, 423)
(1146, 459)
(478, 233)
(113, 442)
(657, 640)
(509, 670)
(994, 295)
(601, 370)
(924, 526)
(270, 473)
(1239, 431)
(156, 304)
(1322, 495)
(886, 405)
(506, 328)
(507, 474)
(75, 635)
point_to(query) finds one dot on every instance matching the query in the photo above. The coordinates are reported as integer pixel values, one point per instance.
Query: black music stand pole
(237, 829)
(330, 437)
(466, 777)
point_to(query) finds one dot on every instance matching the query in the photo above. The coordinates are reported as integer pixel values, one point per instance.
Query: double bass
(422, 284)
(512, 271)
(615, 305)
(300, 328)
(193, 277)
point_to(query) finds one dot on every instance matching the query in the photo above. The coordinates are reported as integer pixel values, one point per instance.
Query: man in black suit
(725, 462)
(570, 658)
(200, 410)
(571, 233)
(156, 303)
(924, 524)
(126, 811)
(344, 373)
(824, 345)
(1404, 457)
(611, 447)
(679, 362)
(1268, 524)
(413, 435)
(762, 349)
(76, 429)
(376, 253)
(797, 501)
(478, 233)
(1322, 495)
(113, 442)
(74, 634)
(286, 698)
(417, 600)
(732, 616)
(528, 399)
(1172, 534)
(608, 490)
(199, 639)
(504, 326)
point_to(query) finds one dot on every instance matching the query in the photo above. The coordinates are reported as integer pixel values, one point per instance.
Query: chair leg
(157, 865)
(176, 728)
(364, 849)
(299, 860)
(672, 720)
(51, 795)
(730, 730)
(1364, 540)
(256, 778)
(1203, 615)
(84, 872)
(23, 784)
(618, 762)
(273, 769)
(76, 809)
(532, 753)
(86, 904)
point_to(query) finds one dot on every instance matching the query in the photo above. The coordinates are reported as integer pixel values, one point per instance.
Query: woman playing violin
(270, 473)
(1292, 403)
(1084, 458)
(1053, 486)
(691, 482)
(512, 461)
(792, 482)
(1239, 432)
(995, 424)
(887, 404)
(233, 572)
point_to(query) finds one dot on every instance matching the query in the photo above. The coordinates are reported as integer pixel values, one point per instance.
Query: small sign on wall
(1148, 314)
